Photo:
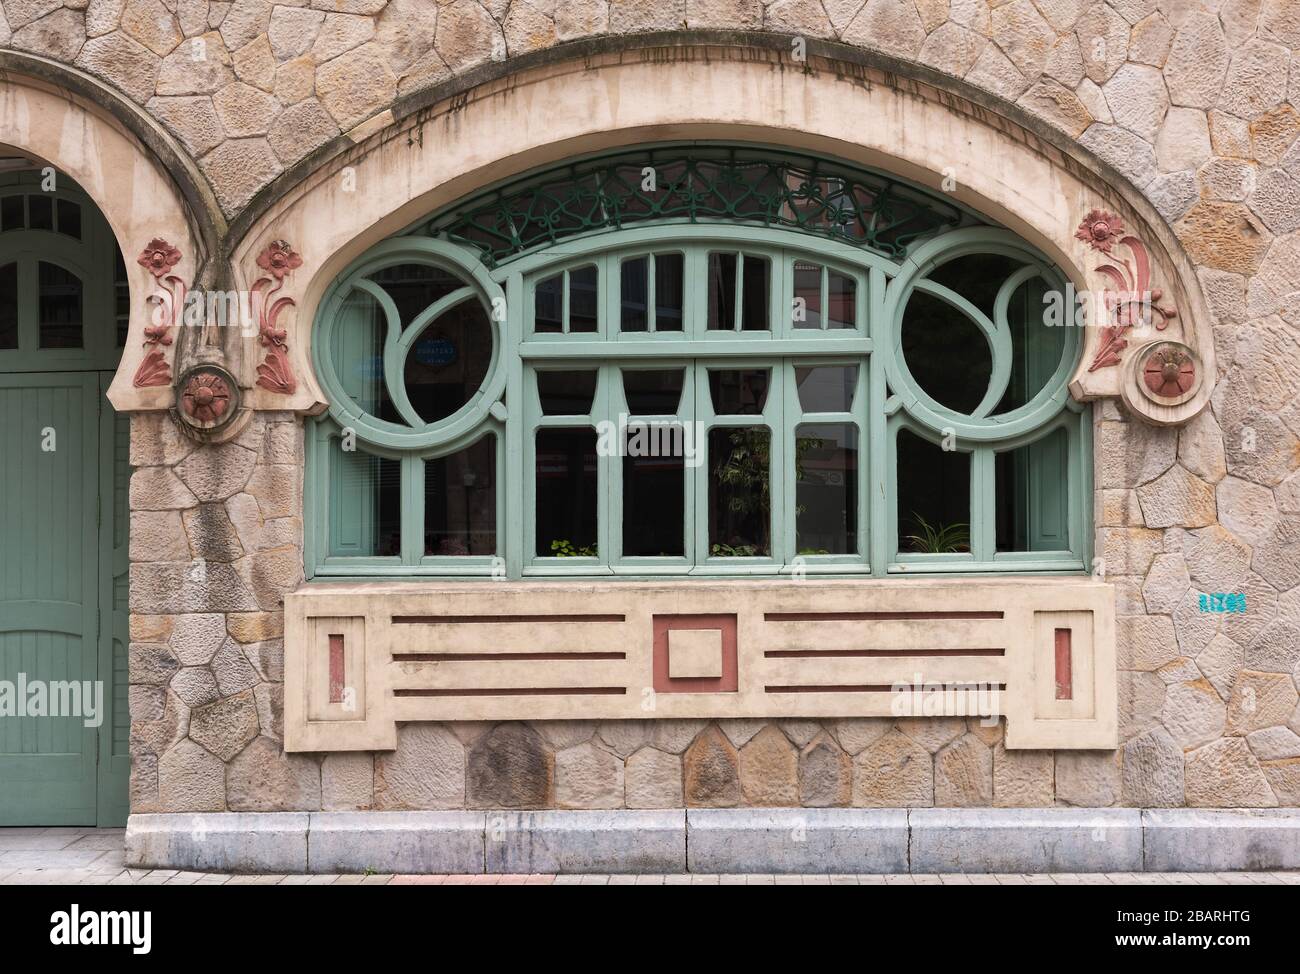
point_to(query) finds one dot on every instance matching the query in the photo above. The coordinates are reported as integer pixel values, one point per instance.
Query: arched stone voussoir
(861, 106)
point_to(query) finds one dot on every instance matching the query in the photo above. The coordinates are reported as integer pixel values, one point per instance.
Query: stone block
(396, 842)
(586, 842)
(790, 840)
(986, 840)
(219, 842)
(1204, 840)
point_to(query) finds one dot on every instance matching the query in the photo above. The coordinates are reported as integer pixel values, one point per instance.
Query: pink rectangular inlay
(1064, 668)
(336, 667)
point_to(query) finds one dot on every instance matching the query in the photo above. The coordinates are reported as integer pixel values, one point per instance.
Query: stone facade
(1195, 102)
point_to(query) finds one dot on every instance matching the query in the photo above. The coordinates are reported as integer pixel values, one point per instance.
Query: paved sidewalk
(94, 857)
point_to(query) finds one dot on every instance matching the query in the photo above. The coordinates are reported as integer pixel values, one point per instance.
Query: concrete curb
(722, 840)
(797, 840)
(1195, 840)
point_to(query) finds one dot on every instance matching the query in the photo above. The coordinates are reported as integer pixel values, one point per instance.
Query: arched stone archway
(1042, 187)
(146, 190)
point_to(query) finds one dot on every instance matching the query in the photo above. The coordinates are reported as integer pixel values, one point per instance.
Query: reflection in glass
(654, 503)
(722, 292)
(9, 306)
(59, 307)
(413, 287)
(1037, 347)
(826, 388)
(567, 392)
(738, 392)
(365, 505)
(946, 353)
(933, 497)
(582, 299)
(807, 295)
(548, 305)
(669, 275)
(357, 351)
(826, 489)
(1032, 495)
(841, 300)
(460, 502)
(653, 392)
(449, 361)
(740, 491)
(566, 493)
(754, 298)
(634, 315)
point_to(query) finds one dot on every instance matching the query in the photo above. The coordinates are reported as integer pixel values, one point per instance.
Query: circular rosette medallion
(209, 397)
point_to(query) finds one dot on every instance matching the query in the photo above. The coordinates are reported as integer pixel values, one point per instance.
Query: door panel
(49, 594)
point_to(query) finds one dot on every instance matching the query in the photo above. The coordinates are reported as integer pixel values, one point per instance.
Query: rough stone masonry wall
(1195, 101)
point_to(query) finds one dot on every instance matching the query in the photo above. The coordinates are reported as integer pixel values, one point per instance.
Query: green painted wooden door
(49, 597)
(64, 474)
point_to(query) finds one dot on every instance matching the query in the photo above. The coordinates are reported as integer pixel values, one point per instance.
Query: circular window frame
(923, 407)
(446, 433)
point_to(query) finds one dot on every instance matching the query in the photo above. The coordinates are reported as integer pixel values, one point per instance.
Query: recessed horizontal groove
(847, 688)
(512, 692)
(832, 653)
(473, 620)
(466, 657)
(941, 686)
(873, 616)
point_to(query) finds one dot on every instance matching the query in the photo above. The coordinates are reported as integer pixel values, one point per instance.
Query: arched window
(698, 361)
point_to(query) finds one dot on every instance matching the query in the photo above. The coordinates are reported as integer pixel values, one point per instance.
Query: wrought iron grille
(700, 185)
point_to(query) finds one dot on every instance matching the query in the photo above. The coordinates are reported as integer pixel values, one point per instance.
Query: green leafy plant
(564, 548)
(938, 538)
(719, 550)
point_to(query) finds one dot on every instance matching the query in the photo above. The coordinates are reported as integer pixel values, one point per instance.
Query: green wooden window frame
(1050, 433)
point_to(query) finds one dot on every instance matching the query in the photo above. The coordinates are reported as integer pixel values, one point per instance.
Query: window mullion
(882, 484)
(518, 426)
(412, 492)
(983, 505)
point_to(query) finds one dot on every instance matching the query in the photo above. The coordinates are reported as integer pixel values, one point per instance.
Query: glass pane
(722, 292)
(449, 361)
(754, 310)
(566, 393)
(9, 306)
(653, 392)
(826, 388)
(460, 501)
(69, 218)
(59, 306)
(807, 304)
(121, 298)
(358, 355)
(826, 489)
(1037, 347)
(946, 353)
(633, 316)
(548, 304)
(976, 277)
(582, 299)
(738, 392)
(654, 491)
(1032, 495)
(739, 492)
(668, 292)
(365, 504)
(413, 287)
(11, 212)
(566, 493)
(841, 298)
(40, 212)
(933, 496)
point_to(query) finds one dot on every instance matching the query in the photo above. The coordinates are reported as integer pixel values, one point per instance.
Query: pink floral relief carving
(159, 257)
(1131, 301)
(275, 373)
